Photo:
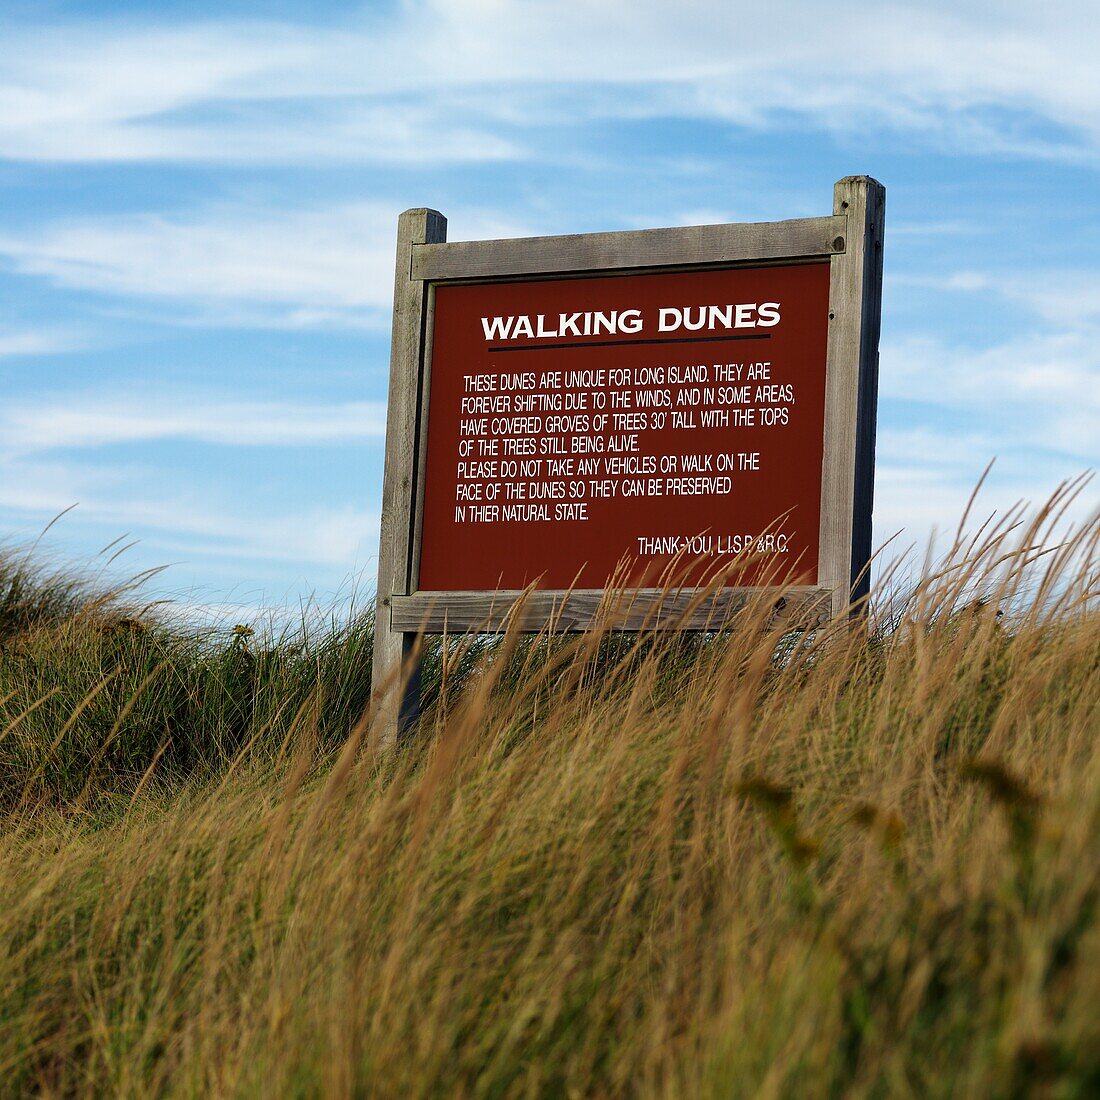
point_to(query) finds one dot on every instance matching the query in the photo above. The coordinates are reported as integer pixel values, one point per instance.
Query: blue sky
(198, 204)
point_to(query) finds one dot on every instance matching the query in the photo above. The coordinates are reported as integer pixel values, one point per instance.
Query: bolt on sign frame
(850, 241)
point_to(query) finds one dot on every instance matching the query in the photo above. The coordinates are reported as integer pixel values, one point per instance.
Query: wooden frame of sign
(850, 240)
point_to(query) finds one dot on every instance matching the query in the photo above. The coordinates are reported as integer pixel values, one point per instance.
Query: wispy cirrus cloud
(1034, 390)
(320, 267)
(37, 341)
(458, 80)
(187, 524)
(1061, 296)
(39, 480)
(1028, 400)
(425, 86)
(72, 420)
(1039, 391)
(215, 92)
(296, 268)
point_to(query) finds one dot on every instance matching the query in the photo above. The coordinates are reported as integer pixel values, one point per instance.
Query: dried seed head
(765, 793)
(1002, 785)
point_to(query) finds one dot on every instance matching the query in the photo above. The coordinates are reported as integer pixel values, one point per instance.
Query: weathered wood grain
(396, 694)
(851, 392)
(578, 610)
(644, 248)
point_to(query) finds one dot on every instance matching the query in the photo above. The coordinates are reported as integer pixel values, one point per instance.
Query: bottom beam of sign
(631, 609)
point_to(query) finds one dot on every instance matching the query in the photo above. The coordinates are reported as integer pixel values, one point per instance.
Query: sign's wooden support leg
(848, 468)
(395, 682)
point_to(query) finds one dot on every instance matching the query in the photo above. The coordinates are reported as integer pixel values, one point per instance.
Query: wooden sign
(698, 401)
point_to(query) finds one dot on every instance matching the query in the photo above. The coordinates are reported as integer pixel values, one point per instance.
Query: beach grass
(786, 859)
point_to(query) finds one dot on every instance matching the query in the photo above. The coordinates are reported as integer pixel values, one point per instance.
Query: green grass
(764, 863)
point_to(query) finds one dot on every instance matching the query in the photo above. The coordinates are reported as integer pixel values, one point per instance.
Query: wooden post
(396, 684)
(851, 392)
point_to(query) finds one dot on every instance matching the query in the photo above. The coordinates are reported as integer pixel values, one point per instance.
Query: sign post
(567, 409)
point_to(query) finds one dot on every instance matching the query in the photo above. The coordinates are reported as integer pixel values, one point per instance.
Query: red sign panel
(575, 425)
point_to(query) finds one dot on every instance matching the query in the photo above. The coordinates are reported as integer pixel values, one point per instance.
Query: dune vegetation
(784, 859)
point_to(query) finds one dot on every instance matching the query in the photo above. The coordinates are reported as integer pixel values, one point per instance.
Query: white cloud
(18, 342)
(323, 267)
(113, 92)
(312, 266)
(80, 420)
(192, 520)
(1062, 297)
(447, 80)
(925, 479)
(1039, 391)
(336, 537)
(1034, 392)
(1030, 400)
(186, 522)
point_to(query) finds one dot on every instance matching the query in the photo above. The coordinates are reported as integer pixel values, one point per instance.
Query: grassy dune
(767, 863)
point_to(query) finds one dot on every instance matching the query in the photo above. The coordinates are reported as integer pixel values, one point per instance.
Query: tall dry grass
(770, 862)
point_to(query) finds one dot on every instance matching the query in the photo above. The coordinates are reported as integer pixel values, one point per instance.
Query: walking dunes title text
(669, 319)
